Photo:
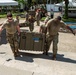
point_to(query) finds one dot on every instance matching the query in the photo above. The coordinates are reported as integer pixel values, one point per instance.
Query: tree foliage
(21, 1)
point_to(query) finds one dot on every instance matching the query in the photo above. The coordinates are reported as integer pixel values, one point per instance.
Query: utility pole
(50, 5)
(66, 8)
(47, 1)
(62, 8)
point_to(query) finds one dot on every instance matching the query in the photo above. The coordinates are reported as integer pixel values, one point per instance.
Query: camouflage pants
(13, 41)
(31, 26)
(38, 22)
(43, 29)
(49, 40)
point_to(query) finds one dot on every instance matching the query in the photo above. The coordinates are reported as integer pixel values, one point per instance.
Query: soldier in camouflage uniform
(17, 18)
(31, 21)
(53, 27)
(12, 27)
(38, 16)
(44, 27)
(27, 15)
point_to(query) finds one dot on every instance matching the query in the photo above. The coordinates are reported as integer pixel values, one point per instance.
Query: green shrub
(43, 18)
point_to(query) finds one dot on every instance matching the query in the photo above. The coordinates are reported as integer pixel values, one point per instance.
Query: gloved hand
(73, 33)
(47, 33)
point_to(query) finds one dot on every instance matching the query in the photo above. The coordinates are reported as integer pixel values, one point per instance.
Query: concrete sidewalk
(13, 71)
(35, 63)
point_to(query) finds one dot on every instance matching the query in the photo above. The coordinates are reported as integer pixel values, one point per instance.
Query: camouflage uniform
(11, 34)
(31, 23)
(27, 16)
(37, 17)
(43, 29)
(52, 34)
(17, 18)
(52, 14)
(49, 39)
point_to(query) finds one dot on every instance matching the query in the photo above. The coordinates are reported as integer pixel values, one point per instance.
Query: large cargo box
(32, 41)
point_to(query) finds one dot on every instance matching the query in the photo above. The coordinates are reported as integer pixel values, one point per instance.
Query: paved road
(37, 63)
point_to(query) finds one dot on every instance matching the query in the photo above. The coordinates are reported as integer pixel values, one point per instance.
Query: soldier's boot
(17, 52)
(14, 53)
(46, 50)
(54, 57)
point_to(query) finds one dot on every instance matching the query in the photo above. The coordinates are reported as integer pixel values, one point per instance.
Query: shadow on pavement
(3, 37)
(61, 58)
(2, 52)
(24, 57)
(28, 57)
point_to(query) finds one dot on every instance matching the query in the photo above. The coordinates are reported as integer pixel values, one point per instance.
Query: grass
(3, 14)
(69, 20)
(65, 20)
(43, 18)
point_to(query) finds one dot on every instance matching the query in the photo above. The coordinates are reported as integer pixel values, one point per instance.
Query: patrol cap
(9, 14)
(58, 17)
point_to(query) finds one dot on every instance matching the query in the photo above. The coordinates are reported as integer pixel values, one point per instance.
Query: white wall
(51, 6)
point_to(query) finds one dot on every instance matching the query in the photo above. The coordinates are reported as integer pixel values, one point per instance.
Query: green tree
(29, 3)
(21, 1)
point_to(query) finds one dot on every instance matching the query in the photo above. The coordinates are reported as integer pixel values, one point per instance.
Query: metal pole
(50, 5)
(62, 9)
(47, 1)
(50, 1)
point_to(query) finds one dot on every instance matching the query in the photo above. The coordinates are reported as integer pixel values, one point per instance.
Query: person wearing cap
(51, 13)
(43, 27)
(27, 15)
(53, 27)
(11, 26)
(17, 18)
(31, 21)
(38, 16)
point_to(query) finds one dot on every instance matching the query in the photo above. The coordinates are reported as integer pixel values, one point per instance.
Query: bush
(43, 18)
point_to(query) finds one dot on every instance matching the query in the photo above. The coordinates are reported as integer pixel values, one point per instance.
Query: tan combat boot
(54, 57)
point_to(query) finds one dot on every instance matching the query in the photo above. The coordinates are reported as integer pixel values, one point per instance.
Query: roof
(8, 2)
